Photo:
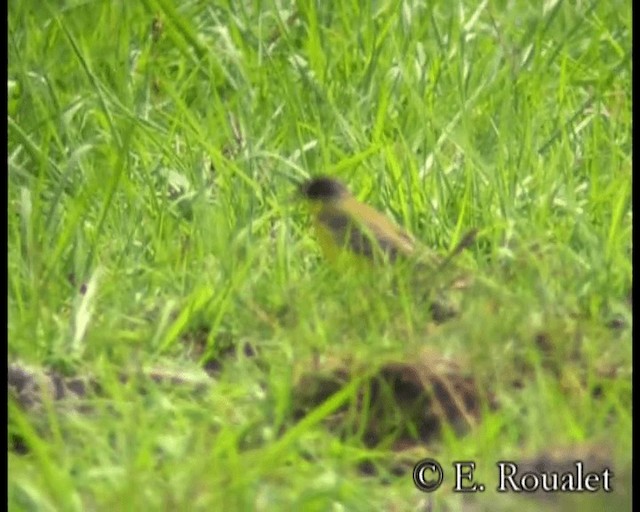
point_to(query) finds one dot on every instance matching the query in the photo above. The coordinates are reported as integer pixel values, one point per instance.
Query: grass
(153, 151)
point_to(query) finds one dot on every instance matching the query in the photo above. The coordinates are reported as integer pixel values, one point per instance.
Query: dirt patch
(401, 403)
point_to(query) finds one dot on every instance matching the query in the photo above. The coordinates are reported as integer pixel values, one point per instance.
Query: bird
(345, 225)
(347, 228)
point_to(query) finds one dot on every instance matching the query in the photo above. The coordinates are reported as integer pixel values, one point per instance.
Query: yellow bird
(344, 224)
(347, 227)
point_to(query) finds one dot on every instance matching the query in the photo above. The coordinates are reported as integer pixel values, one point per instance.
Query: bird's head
(323, 188)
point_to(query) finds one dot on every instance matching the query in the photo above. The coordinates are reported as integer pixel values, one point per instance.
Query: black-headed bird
(348, 229)
(344, 224)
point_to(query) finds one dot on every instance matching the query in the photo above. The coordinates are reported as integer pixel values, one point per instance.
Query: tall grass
(153, 152)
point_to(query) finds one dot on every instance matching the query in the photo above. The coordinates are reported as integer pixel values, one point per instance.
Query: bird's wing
(371, 236)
